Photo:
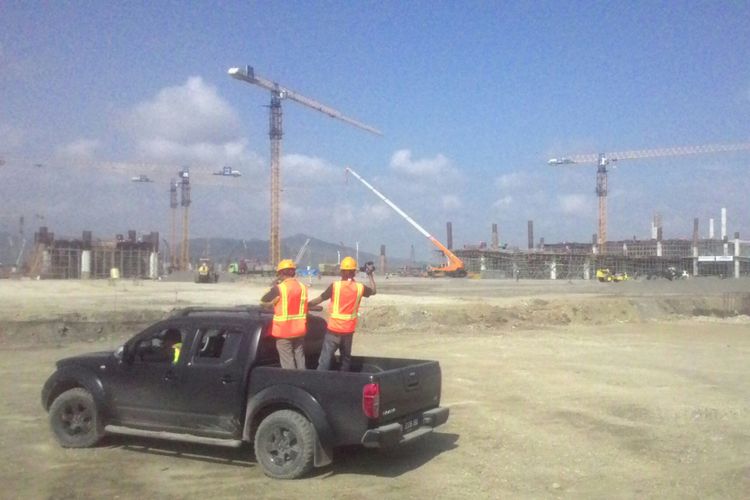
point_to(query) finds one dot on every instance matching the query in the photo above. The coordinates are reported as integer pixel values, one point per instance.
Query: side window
(162, 346)
(217, 345)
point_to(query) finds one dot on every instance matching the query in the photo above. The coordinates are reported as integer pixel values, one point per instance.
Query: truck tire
(284, 445)
(75, 420)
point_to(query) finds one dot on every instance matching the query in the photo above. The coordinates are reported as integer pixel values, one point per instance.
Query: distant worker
(345, 296)
(173, 343)
(288, 297)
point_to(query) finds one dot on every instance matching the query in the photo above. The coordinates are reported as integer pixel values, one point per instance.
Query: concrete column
(695, 261)
(736, 255)
(553, 270)
(495, 237)
(482, 266)
(153, 266)
(711, 228)
(658, 249)
(449, 230)
(531, 234)
(587, 269)
(382, 259)
(86, 264)
(723, 224)
(625, 249)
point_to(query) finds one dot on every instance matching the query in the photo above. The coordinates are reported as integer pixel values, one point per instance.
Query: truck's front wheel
(284, 445)
(75, 419)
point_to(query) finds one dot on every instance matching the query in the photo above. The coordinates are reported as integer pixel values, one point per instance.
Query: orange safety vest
(344, 306)
(290, 310)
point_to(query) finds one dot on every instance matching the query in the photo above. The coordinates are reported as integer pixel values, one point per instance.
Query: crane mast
(454, 265)
(278, 93)
(602, 160)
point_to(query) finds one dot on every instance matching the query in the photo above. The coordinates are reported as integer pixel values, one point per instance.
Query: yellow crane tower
(275, 133)
(603, 160)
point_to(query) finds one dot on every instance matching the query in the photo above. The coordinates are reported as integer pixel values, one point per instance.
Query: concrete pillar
(530, 226)
(382, 259)
(723, 224)
(587, 269)
(658, 248)
(711, 228)
(625, 249)
(482, 266)
(736, 255)
(449, 229)
(153, 265)
(495, 237)
(695, 261)
(86, 264)
(553, 270)
(46, 262)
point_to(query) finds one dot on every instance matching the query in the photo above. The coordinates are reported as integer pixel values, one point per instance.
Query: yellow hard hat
(348, 264)
(286, 264)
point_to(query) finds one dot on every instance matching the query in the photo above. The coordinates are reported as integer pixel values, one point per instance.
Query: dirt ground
(556, 389)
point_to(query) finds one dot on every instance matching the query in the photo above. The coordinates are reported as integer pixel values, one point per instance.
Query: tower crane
(173, 185)
(454, 265)
(275, 133)
(185, 202)
(603, 160)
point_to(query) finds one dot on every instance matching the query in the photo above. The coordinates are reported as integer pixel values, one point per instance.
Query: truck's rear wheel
(284, 445)
(75, 419)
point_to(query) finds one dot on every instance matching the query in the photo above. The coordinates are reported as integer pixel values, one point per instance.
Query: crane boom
(455, 265)
(248, 75)
(653, 153)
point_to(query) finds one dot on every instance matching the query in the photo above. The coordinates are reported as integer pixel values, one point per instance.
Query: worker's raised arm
(270, 298)
(371, 277)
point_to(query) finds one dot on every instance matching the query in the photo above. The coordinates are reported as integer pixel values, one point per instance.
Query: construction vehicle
(206, 272)
(454, 266)
(604, 275)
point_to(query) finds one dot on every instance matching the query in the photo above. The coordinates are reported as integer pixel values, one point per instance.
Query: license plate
(411, 424)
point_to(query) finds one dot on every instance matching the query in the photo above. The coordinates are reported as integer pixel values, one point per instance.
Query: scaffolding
(639, 259)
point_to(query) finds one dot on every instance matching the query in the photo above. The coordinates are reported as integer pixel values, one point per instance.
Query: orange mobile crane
(454, 266)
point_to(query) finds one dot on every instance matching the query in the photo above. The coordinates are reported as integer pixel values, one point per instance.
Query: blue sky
(472, 98)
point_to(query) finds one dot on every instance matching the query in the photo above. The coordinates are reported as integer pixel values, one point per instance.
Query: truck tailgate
(408, 390)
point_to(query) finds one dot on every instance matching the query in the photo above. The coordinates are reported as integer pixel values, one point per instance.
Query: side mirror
(120, 353)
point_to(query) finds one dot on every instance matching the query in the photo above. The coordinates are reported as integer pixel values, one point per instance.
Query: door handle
(227, 379)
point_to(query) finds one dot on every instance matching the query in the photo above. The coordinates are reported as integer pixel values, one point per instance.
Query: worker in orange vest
(345, 296)
(288, 297)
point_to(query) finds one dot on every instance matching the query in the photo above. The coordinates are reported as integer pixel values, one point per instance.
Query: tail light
(371, 400)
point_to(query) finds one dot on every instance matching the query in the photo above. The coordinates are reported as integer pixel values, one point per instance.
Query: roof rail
(247, 308)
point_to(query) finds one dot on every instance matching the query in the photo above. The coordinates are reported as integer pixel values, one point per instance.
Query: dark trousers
(335, 342)
(291, 353)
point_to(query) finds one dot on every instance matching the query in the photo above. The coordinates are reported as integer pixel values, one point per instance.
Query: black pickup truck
(225, 387)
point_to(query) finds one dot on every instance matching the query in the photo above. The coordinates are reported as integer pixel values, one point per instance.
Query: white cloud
(296, 165)
(425, 168)
(503, 202)
(451, 202)
(186, 114)
(189, 124)
(11, 137)
(574, 204)
(511, 180)
(80, 149)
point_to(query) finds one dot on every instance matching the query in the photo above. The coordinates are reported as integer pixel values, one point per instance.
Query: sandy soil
(556, 389)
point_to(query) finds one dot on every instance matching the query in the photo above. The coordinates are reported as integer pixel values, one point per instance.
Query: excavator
(454, 266)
